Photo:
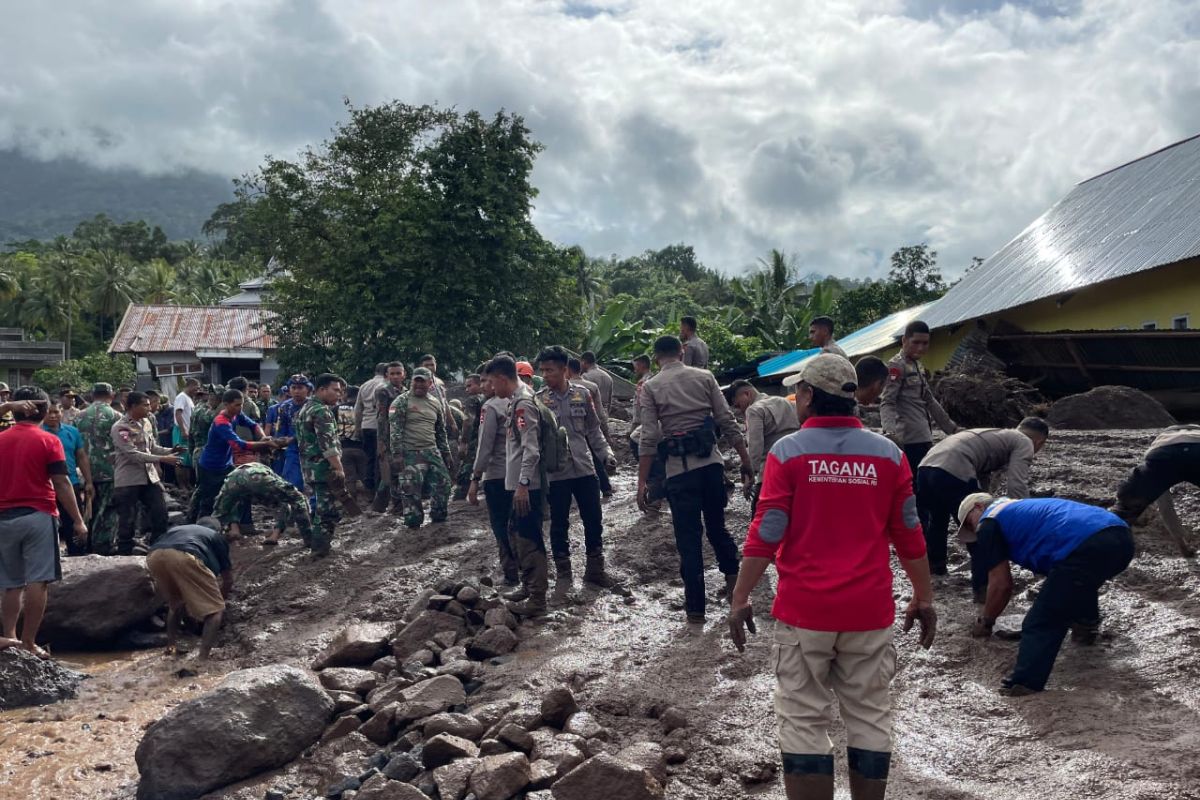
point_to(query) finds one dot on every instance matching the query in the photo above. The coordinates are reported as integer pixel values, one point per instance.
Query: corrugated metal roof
(1136, 217)
(167, 329)
(875, 336)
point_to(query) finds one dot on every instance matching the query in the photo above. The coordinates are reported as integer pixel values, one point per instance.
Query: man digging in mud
(1076, 546)
(192, 572)
(1172, 458)
(834, 605)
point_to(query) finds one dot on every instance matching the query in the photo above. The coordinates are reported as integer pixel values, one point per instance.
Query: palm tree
(68, 269)
(156, 282)
(112, 284)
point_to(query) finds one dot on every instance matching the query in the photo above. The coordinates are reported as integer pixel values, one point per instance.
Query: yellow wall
(1157, 295)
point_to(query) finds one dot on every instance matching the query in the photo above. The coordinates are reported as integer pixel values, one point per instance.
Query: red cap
(525, 368)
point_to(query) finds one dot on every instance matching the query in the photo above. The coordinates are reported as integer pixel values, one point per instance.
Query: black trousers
(1070, 594)
(698, 500)
(499, 506)
(66, 525)
(1163, 468)
(128, 499)
(370, 439)
(208, 486)
(529, 527)
(915, 453)
(601, 475)
(586, 492)
(939, 495)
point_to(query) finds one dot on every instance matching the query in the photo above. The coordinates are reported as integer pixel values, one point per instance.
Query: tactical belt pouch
(698, 443)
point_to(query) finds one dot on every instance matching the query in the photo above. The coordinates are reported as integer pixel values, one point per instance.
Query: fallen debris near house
(1109, 408)
(977, 396)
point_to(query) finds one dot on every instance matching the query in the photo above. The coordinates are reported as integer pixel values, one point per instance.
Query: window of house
(1181, 323)
(1149, 326)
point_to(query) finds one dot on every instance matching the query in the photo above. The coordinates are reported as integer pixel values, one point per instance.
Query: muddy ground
(1120, 720)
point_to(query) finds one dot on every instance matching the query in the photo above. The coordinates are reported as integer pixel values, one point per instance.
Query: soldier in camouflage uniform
(202, 420)
(419, 450)
(95, 423)
(321, 460)
(258, 483)
(385, 395)
(468, 441)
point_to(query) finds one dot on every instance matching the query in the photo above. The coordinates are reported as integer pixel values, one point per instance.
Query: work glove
(741, 620)
(923, 613)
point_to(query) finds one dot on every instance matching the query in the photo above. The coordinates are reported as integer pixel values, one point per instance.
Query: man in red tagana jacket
(835, 499)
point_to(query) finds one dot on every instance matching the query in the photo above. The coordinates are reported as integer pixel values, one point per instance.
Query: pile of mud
(1108, 408)
(977, 396)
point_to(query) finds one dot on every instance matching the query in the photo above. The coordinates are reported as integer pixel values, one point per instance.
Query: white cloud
(839, 130)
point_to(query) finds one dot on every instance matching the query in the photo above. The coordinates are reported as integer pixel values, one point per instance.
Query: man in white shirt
(366, 422)
(185, 402)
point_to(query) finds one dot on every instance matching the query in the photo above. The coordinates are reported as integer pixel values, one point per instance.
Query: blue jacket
(1042, 532)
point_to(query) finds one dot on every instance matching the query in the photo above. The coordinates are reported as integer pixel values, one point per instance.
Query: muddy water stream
(1119, 720)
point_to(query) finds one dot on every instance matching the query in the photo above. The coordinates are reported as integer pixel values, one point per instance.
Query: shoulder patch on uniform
(520, 418)
(124, 435)
(895, 373)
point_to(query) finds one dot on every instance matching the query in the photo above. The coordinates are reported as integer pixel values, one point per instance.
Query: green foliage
(726, 348)
(916, 275)
(408, 231)
(81, 373)
(860, 307)
(614, 337)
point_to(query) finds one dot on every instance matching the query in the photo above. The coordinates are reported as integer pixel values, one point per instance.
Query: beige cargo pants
(815, 668)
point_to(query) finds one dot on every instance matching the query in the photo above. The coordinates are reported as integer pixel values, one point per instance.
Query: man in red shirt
(835, 499)
(33, 480)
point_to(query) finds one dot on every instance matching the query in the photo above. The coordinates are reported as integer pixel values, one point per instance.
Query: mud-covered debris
(255, 720)
(1107, 407)
(99, 598)
(673, 719)
(604, 777)
(648, 755)
(500, 777)
(26, 680)
(557, 707)
(984, 398)
(758, 772)
(491, 643)
(356, 645)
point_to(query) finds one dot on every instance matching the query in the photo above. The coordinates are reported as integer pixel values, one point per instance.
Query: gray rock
(428, 623)
(254, 720)
(384, 666)
(460, 725)
(491, 713)
(452, 779)
(492, 747)
(424, 657)
(402, 767)
(382, 727)
(542, 775)
(387, 692)
(675, 755)
(563, 755)
(355, 645)
(452, 654)
(439, 602)
(380, 788)
(491, 643)
(443, 691)
(585, 725)
(542, 795)
(344, 701)
(463, 670)
(517, 738)
(605, 777)
(501, 777)
(98, 598)
(26, 680)
(500, 617)
(673, 719)
(456, 608)
(444, 748)
(344, 726)
(649, 756)
(349, 679)
(468, 595)
(557, 707)
(445, 639)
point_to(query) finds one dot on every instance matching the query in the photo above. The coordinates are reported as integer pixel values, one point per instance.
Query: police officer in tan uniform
(575, 374)
(135, 478)
(695, 349)
(907, 407)
(572, 405)
(683, 412)
(768, 419)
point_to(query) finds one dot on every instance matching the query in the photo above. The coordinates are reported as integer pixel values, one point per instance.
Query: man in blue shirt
(281, 426)
(1076, 546)
(77, 462)
(216, 460)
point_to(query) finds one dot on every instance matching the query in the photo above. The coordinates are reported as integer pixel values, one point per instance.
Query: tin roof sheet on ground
(1142, 215)
(870, 339)
(168, 329)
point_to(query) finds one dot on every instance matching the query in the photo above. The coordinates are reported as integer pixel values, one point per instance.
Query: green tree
(860, 307)
(82, 373)
(113, 284)
(408, 231)
(916, 275)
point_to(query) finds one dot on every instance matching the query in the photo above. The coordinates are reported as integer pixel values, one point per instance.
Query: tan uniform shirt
(907, 407)
(523, 449)
(597, 400)
(490, 455)
(577, 414)
(420, 426)
(365, 404)
(768, 420)
(980, 452)
(677, 400)
(836, 349)
(1177, 434)
(605, 383)
(695, 353)
(137, 454)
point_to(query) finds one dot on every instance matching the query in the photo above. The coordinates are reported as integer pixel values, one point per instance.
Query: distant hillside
(41, 199)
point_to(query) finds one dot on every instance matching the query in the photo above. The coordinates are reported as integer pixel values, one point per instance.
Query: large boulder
(356, 645)
(254, 720)
(98, 598)
(604, 777)
(26, 680)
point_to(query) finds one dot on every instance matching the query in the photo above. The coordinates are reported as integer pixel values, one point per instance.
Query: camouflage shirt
(96, 423)
(202, 420)
(316, 439)
(473, 408)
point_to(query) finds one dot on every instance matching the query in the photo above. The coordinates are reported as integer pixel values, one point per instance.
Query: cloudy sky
(835, 129)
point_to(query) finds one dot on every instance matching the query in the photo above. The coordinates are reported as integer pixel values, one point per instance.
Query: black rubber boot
(595, 573)
(868, 773)
(808, 787)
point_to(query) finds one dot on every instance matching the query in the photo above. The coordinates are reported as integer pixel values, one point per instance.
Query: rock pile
(26, 680)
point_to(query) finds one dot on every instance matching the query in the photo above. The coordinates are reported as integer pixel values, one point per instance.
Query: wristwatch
(524, 482)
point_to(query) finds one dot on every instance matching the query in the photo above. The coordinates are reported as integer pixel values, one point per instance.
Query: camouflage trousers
(102, 526)
(467, 466)
(420, 471)
(257, 483)
(328, 514)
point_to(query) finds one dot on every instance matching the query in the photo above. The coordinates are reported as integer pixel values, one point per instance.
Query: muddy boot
(868, 773)
(1085, 633)
(459, 494)
(564, 580)
(808, 787)
(535, 574)
(380, 503)
(516, 595)
(595, 574)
